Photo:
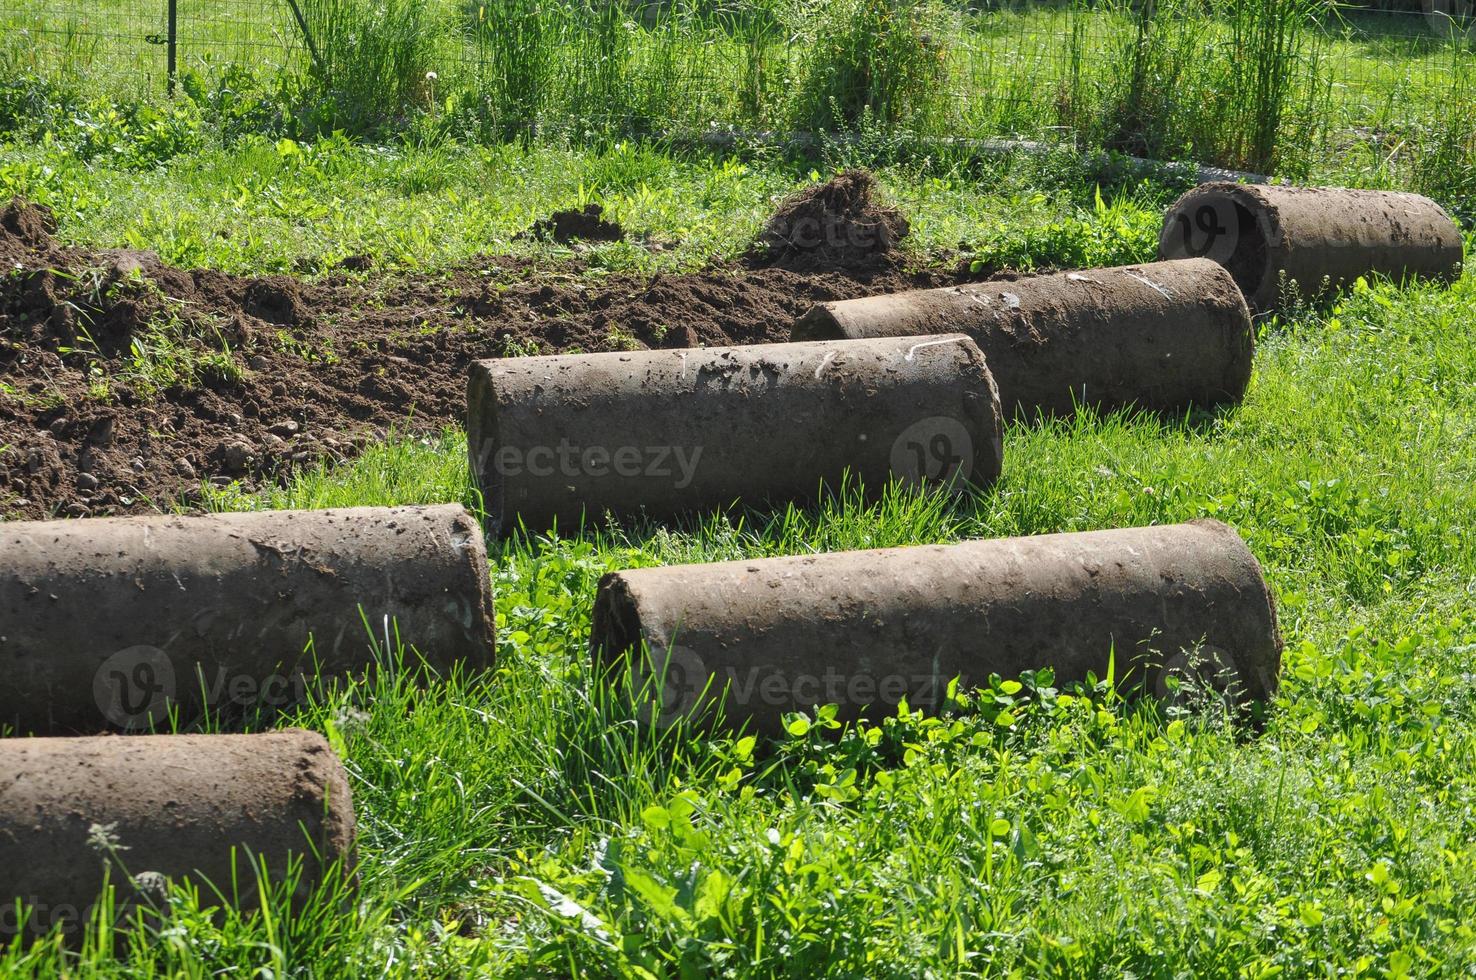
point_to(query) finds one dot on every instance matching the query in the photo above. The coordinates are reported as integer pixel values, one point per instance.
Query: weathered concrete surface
(1316, 237)
(869, 627)
(671, 432)
(1165, 336)
(176, 806)
(108, 623)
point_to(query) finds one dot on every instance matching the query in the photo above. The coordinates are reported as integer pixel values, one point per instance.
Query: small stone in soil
(236, 456)
(101, 433)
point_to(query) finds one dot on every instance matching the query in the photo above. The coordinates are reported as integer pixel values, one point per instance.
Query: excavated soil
(840, 224)
(125, 384)
(588, 225)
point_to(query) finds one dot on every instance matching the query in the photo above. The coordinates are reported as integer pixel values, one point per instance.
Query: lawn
(522, 823)
(525, 822)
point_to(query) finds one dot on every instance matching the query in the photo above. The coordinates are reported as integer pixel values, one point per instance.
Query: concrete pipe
(761, 638)
(1164, 336)
(555, 440)
(1316, 237)
(202, 808)
(116, 623)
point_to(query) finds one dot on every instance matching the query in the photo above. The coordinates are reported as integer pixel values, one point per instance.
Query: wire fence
(130, 44)
(1010, 60)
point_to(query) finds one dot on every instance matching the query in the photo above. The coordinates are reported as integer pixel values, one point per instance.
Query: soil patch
(840, 224)
(588, 225)
(125, 384)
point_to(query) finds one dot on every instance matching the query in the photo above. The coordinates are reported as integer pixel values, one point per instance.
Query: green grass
(264, 206)
(523, 823)
(520, 823)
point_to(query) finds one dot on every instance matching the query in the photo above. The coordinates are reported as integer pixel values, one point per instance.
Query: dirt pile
(24, 228)
(564, 227)
(840, 224)
(125, 384)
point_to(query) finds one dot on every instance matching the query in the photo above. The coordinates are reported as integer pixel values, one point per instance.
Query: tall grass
(1241, 83)
(757, 26)
(1445, 161)
(1149, 81)
(600, 54)
(371, 61)
(872, 61)
(1274, 81)
(515, 45)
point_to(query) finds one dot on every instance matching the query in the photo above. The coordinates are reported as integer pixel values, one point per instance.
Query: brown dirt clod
(588, 225)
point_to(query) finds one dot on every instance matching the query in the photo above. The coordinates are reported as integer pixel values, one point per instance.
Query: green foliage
(523, 821)
(1121, 233)
(878, 61)
(1445, 159)
(1241, 83)
(371, 61)
(139, 135)
(1283, 86)
(515, 40)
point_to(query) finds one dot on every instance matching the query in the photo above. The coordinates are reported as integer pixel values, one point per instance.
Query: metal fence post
(173, 42)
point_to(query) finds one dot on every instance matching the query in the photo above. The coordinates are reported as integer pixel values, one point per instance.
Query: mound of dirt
(837, 225)
(564, 227)
(125, 384)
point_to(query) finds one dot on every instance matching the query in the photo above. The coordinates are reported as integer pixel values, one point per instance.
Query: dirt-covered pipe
(114, 623)
(1164, 336)
(671, 432)
(871, 627)
(138, 808)
(1315, 237)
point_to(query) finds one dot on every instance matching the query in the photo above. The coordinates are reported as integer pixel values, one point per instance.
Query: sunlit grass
(516, 822)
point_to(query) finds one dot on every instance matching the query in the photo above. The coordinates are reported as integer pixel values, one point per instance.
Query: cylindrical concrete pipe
(671, 432)
(870, 627)
(112, 623)
(1163, 336)
(1317, 237)
(196, 807)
